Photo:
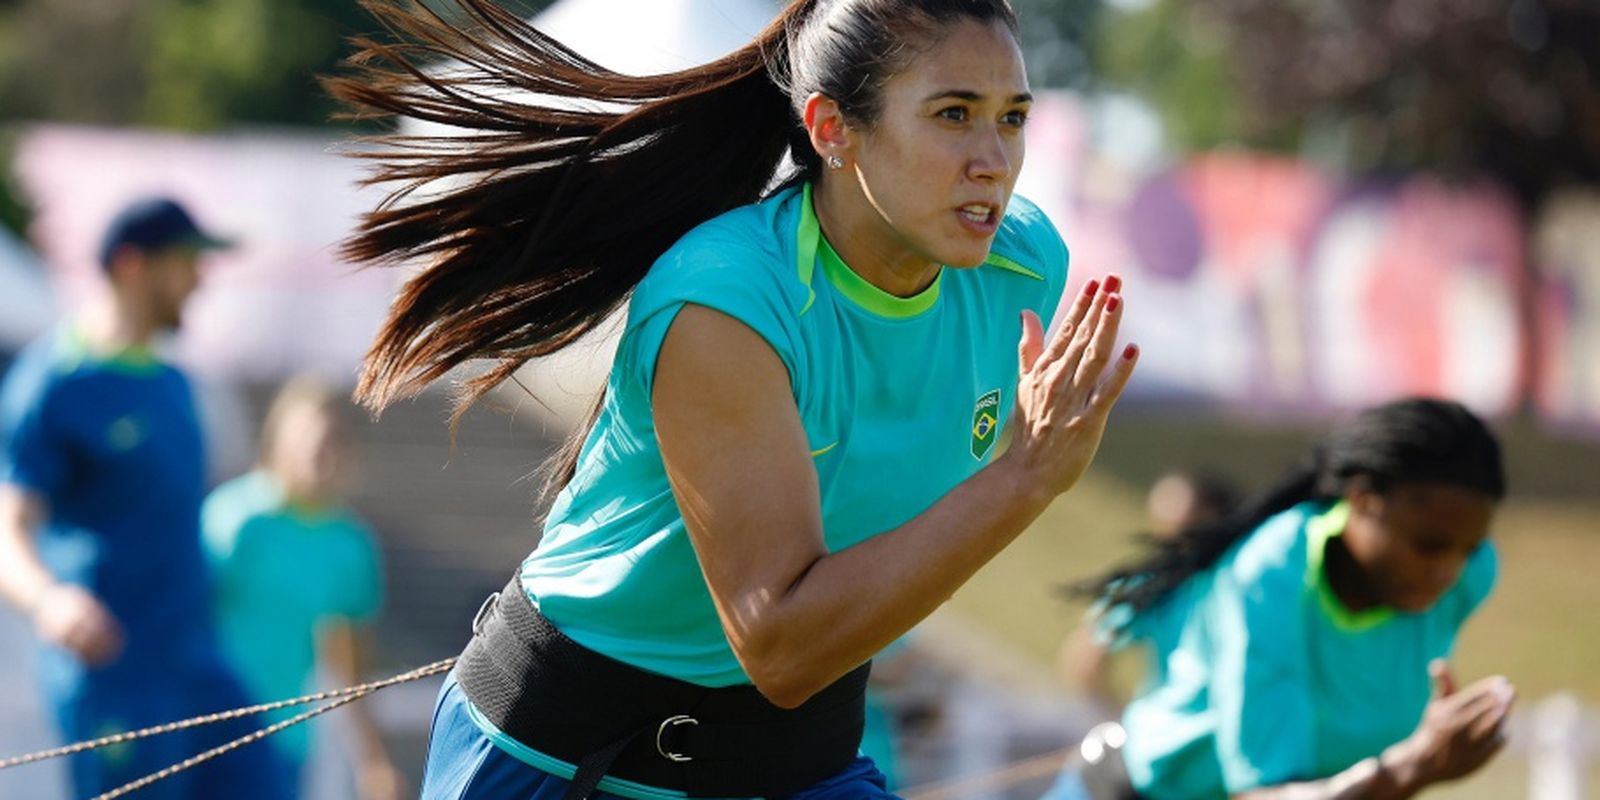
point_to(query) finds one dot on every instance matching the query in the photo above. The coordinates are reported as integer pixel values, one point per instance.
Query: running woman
(795, 459)
(1295, 644)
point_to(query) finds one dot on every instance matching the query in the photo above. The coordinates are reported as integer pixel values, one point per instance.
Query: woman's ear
(825, 125)
(1364, 498)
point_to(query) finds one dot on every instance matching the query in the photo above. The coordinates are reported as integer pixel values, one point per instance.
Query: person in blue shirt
(297, 574)
(102, 471)
(1298, 647)
(796, 457)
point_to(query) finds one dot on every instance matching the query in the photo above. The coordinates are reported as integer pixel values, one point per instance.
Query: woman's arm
(799, 617)
(23, 576)
(1368, 779)
(64, 614)
(1084, 663)
(1459, 733)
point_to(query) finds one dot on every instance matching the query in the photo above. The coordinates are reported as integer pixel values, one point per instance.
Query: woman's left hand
(1066, 388)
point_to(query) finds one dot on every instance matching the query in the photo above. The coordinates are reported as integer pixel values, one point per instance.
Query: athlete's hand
(69, 616)
(1067, 387)
(1461, 730)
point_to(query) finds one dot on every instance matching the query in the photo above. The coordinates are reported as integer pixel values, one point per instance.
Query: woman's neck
(1348, 580)
(864, 240)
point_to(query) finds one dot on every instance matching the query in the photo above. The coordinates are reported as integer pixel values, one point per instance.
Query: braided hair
(1407, 441)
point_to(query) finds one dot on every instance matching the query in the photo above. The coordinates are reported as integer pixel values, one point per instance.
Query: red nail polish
(1130, 351)
(1113, 283)
(1091, 287)
(1112, 302)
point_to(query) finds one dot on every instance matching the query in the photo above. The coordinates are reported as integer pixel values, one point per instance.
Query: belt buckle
(672, 722)
(483, 613)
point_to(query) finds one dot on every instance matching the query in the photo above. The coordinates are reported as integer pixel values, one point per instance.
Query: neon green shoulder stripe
(806, 239)
(997, 260)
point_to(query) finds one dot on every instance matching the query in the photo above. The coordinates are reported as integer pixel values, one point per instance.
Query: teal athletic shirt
(1260, 677)
(282, 572)
(901, 399)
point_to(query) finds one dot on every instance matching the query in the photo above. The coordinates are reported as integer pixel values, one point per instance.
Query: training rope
(1004, 777)
(1036, 767)
(339, 697)
(220, 749)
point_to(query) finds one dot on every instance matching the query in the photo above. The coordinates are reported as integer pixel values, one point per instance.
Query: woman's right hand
(1461, 730)
(1067, 387)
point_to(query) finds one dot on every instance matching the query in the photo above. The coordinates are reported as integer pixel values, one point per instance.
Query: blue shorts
(1068, 786)
(93, 704)
(464, 764)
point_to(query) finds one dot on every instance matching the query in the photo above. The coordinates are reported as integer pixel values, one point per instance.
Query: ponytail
(1170, 561)
(553, 207)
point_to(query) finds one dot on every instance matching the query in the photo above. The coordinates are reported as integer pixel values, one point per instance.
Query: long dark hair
(1405, 441)
(571, 179)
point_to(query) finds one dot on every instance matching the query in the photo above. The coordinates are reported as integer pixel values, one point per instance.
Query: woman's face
(940, 162)
(1413, 540)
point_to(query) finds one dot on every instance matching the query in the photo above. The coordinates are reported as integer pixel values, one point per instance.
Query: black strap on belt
(609, 718)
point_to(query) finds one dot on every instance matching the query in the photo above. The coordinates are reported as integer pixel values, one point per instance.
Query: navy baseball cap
(155, 223)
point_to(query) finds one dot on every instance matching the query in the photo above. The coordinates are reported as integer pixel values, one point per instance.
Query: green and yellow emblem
(985, 421)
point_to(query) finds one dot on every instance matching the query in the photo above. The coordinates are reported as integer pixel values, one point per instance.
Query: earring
(835, 162)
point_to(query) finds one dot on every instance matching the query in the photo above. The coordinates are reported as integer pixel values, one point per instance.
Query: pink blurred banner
(281, 301)
(1263, 283)
(1567, 310)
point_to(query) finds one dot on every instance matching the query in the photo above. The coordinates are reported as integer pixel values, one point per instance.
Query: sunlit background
(1315, 207)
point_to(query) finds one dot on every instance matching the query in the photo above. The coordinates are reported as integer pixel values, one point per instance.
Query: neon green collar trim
(811, 244)
(134, 359)
(1319, 530)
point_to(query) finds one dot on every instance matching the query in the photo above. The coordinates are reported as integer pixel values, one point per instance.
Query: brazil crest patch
(985, 421)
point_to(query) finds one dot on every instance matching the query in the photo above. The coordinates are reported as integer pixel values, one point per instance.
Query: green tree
(1507, 89)
(14, 213)
(1178, 61)
(185, 64)
(71, 60)
(208, 64)
(1059, 39)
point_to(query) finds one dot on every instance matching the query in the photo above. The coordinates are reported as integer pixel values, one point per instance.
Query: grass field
(1539, 628)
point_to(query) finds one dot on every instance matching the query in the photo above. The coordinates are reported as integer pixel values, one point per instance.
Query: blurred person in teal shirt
(298, 576)
(1297, 648)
